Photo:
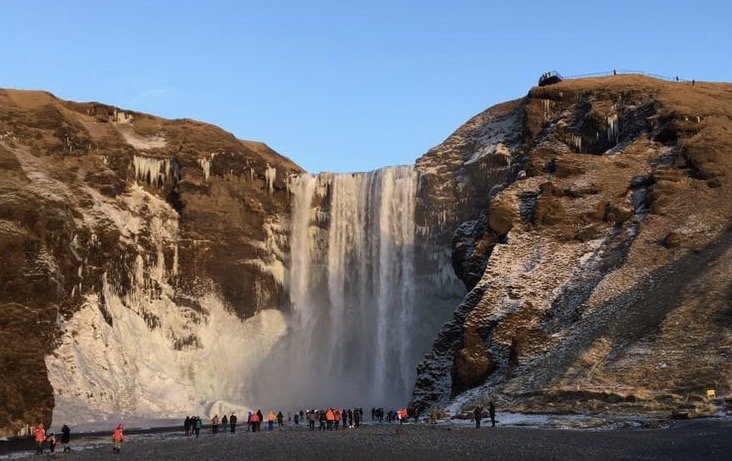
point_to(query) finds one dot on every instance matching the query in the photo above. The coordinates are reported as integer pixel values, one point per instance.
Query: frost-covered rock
(587, 298)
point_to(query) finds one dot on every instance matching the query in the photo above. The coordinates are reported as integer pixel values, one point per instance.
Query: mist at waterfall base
(357, 329)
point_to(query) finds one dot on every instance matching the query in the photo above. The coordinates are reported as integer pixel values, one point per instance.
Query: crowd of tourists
(327, 419)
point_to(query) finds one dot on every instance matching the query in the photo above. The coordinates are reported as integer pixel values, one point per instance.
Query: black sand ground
(710, 439)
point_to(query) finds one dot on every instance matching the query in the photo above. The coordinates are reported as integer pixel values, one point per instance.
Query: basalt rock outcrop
(597, 250)
(104, 211)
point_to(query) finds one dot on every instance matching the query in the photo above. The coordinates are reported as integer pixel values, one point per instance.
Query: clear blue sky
(345, 85)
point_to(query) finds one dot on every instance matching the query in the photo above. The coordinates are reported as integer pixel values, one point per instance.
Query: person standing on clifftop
(492, 412)
(477, 415)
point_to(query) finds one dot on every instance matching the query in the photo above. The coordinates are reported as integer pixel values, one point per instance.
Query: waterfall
(352, 290)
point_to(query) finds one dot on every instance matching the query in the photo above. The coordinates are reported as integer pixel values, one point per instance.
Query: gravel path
(686, 440)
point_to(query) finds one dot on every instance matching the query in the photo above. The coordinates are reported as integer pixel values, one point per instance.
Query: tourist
(65, 438)
(255, 422)
(280, 417)
(40, 436)
(224, 422)
(477, 415)
(215, 424)
(51, 443)
(197, 425)
(232, 422)
(330, 418)
(297, 419)
(118, 437)
(187, 425)
(357, 414)
(492, 413)
(336, 418)
(350, 418)
(271, 417)
(311, 419)
(321, 418)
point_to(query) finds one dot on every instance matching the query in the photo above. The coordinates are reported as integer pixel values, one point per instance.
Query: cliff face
(120, 228)
(598, 255)
(145, 261)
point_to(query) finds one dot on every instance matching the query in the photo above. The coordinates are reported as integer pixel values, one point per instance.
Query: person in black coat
(232, 423)
(477, 415)
(65, 438)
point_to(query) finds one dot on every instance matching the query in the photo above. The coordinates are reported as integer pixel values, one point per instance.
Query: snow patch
(143, 143)
(498, 149)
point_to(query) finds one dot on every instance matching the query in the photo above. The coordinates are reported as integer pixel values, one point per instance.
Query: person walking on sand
(280, 419)
(118, 437)
(232, 422)
(197, 425)
(224, 422)
(40, 436)
(492, 413)
(215, 424)
(271, 417)
(65, 438)
(477, 415)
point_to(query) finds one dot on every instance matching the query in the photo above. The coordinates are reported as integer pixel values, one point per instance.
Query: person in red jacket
(255, 422)
(40, 436)
(118, 437)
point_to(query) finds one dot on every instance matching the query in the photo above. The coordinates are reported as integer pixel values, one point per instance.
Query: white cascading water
(352, 289)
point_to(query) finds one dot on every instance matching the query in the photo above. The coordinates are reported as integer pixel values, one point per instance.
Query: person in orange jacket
(118, 437)
(40, 436)
(270, 420)
(329, 418)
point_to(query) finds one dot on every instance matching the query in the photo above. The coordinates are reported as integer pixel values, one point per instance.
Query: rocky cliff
(148, 266)
(596, 245)
(128, 242)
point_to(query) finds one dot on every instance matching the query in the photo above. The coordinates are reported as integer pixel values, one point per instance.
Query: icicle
(152, 171)
(577, 142)
(121, 117)
(206, 165)
(270, 174)
(613, 129)
(547, 107)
